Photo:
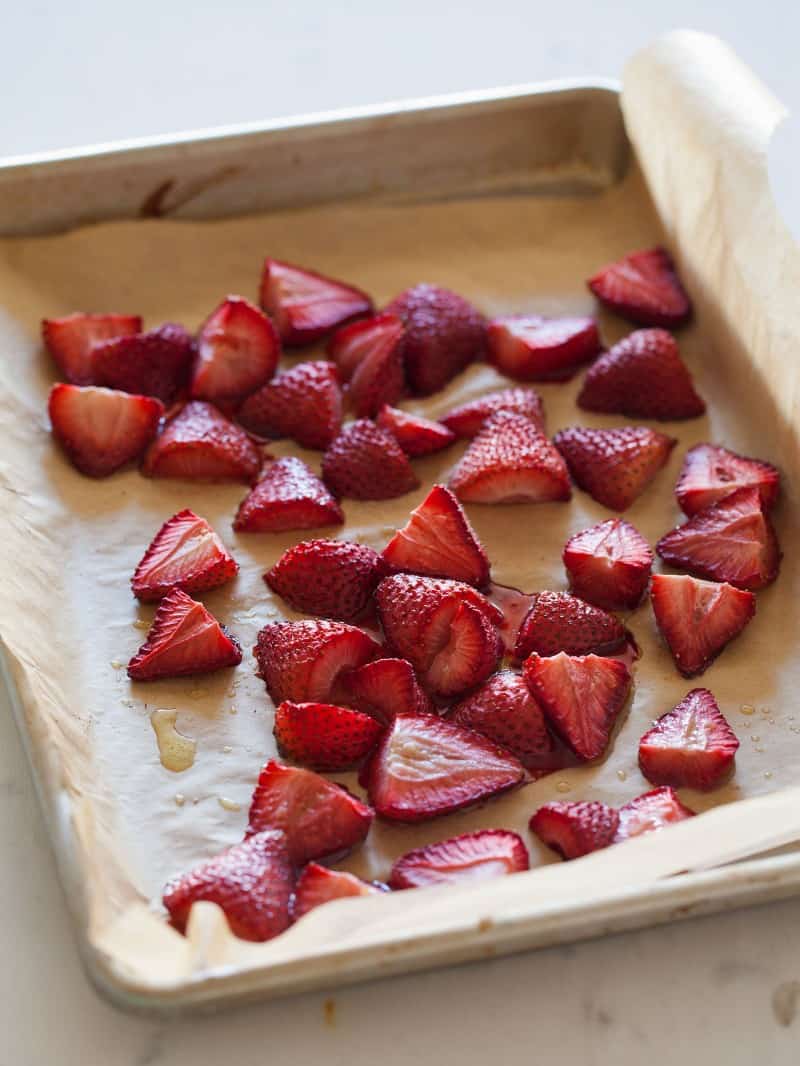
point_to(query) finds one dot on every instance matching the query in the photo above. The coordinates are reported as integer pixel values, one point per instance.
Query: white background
(701, 992)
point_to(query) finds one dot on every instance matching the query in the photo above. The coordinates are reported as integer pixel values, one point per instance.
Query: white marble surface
(719, 990)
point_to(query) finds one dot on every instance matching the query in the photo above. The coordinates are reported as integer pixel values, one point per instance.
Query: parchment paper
(69, 545)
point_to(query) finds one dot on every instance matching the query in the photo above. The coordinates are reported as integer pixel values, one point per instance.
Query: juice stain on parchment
(176, 751)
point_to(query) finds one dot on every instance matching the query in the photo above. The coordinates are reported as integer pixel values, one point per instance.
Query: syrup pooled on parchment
(176, 751)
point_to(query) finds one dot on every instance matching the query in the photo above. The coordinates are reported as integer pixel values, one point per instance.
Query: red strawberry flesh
(470, 857)
(237, 351)
(560, 622)
(201, 444)
(303, 403)
(649, 812)
(366, 463)
(324, 736)
(157, 363)
(287, 497)
(187, 554)
(468, 419)
(317, 885)
(385, 688)
(575, 829)
(417, 436)
(330, 578)
(305, 305)
(644, 288)
(369, 355)
(710, 473)
(531, 348)
(609, 564)
(70, 340)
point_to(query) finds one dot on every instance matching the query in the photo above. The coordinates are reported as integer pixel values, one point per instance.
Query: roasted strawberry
(425, 767)
(468, 419)
(581, 696)
(101, 429)
(614, 466)
(302, 661)
(510, 461)
(692, 746)
(287, 496)
(366, 463)
(157, 363)
(324, 736)
(306, 305)
(201, 444)
(330, 578)
(532, 348)
(514, 607)
(318, 817)
(650, 811)
(369, 355)
(70, 340)
(698, 618)
(560, 622)
(711, 473)
(304, 403)
(732, 541)
(185, 554)
(438, 541)
(252, 882)
(444, 333)
(644, 288)
(237, 351)
(385, 688)
(575, 829)
(471, 857)
(416, 435)
(609, 564)
(317, 885)
(185, 638)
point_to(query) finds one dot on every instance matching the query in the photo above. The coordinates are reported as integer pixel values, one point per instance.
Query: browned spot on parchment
(785, 1000)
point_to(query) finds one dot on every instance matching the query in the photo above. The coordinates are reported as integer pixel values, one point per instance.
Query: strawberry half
(318, 817)
(692, 746)
(385, 688)
(157, 363)
(444, 333)
(287, 497)
(479, 856)
(102, 430)
(185, 554)
(425, 767)
(317, 885)
(711, 473)
(252, 882)
(698, 618)
(644, 288)
(614, 466)
(510, 461)
(306, 305)
(438, 541)
(330, 578)
(201, 444)
(324, 736)
(369, 355)
(416, 435)
(304, 404)
(532, 348)
(560, 622)
(366, 463)
(468, 419)
(732, 541)
(609, 564)
(302, 661)
(575, 829)
(70, 340)
(237, 351)
(581, 695)
(651, 811)
(185, 638)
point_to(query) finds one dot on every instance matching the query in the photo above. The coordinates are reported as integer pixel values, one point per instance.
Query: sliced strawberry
(69, 340)
(425, 767)
(575, 829)
(692, 746)
(369, 355)
(644, 288)
(650, 811)
(444, 333)
(468, 419)
(185, 554)
(614, 466)
(560, 622)
(317, 885)
(237, 351)
(581, 695)
(302, 661)
(324, 736)
(531, 348)
(306, 305)
(252, 882)
(471, 653)
(318, 817)
(416, 435)
(101, 429)
(304, 403)
(385, 688)
(201, 444)
(732, 541)
(711, 473)
(330, 578)
(609, 564)
(698, 618)
(366, 463)
(156, 363)
(479, 856)
(510, 461)
(439, 541)
(184, 638)
(287, 497)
